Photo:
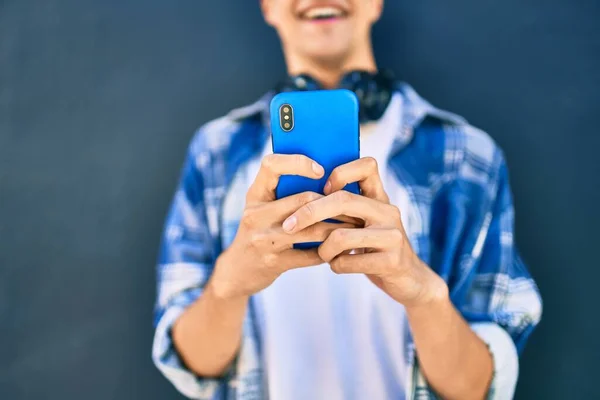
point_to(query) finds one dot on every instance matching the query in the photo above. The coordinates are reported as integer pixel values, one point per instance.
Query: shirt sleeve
(492, 283)
(489, 283)
(502, 303)
(505, 359)
(186, 260)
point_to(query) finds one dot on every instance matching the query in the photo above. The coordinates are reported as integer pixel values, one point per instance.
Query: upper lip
(338, 6)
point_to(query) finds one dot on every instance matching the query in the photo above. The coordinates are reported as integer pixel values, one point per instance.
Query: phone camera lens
(286, 117)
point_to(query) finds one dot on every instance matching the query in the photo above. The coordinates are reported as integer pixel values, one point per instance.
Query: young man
(438, 304)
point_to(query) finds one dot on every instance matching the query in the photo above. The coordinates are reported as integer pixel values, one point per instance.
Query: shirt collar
(415, 110)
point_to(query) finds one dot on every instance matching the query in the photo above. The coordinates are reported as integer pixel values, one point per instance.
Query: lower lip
(324, 20)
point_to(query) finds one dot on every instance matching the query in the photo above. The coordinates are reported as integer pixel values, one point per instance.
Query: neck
(329, 72)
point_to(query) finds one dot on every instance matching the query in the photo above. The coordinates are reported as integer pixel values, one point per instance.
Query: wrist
(434, 291)
(220, 293)
(219, 286)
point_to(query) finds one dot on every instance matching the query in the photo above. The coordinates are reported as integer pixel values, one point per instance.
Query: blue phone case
(325, 129)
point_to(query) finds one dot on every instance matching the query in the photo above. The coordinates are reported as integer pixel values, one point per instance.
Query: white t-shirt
(328, 336)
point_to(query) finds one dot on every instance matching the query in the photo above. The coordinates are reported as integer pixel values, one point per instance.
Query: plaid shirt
(462, 227)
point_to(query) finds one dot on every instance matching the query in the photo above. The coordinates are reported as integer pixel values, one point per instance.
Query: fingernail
(327, 187)
(289, 224)
(317, 168)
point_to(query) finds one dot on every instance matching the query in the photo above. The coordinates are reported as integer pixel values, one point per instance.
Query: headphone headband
(373, 90)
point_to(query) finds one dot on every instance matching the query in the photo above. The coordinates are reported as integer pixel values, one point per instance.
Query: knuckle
(337, 236)
(371, 163)
(269, 161)
(397, 235)
(314, 196)
(322, 252)
(337, 265)
(308, 197)
(342, 196)
(299, 160)
(308, 210)
(248, 217)
(395, 211)
(270, 260)
(258, 239)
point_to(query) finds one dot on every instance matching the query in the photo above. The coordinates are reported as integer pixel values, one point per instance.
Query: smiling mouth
(326, 13)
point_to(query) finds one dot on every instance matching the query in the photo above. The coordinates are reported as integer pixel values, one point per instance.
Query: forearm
(455, 361)
(207, 336)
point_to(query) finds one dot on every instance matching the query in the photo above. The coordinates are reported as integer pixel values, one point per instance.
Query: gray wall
(98, 99)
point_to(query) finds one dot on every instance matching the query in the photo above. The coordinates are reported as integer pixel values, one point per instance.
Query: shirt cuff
(506, 359)
(167, 360)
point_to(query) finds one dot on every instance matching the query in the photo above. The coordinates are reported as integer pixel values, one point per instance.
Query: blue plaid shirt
(457, 182)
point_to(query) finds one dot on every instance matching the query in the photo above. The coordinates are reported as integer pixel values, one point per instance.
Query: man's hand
(262, 250)
(382, 249)
(208, 333)
(455, 361)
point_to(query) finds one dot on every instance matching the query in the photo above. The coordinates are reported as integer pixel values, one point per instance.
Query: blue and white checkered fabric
(456, 178)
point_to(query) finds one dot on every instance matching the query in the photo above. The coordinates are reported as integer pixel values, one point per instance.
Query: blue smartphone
(322, 125)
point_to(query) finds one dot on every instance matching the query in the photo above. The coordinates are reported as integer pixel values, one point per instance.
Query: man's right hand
(261, 250)
(207, 335)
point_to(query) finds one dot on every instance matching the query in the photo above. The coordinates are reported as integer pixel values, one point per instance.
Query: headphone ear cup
(373, 90)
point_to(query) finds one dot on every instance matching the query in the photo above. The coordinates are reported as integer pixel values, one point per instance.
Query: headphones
(373, 90)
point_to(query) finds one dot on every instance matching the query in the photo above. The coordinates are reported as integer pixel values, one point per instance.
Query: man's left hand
(381, 249)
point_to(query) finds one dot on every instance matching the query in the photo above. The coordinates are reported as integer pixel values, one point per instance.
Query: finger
(338, 203)
(276, 239)
(368, 263)
(275, 165)
(365, 172)
(318, 232)
(291, 259)
(266, 214)
(355, 222)
(342, 240)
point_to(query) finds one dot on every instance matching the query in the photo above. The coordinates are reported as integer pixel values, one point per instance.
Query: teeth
(323, 12)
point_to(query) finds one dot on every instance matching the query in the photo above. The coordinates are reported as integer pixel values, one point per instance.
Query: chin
(328, 53)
